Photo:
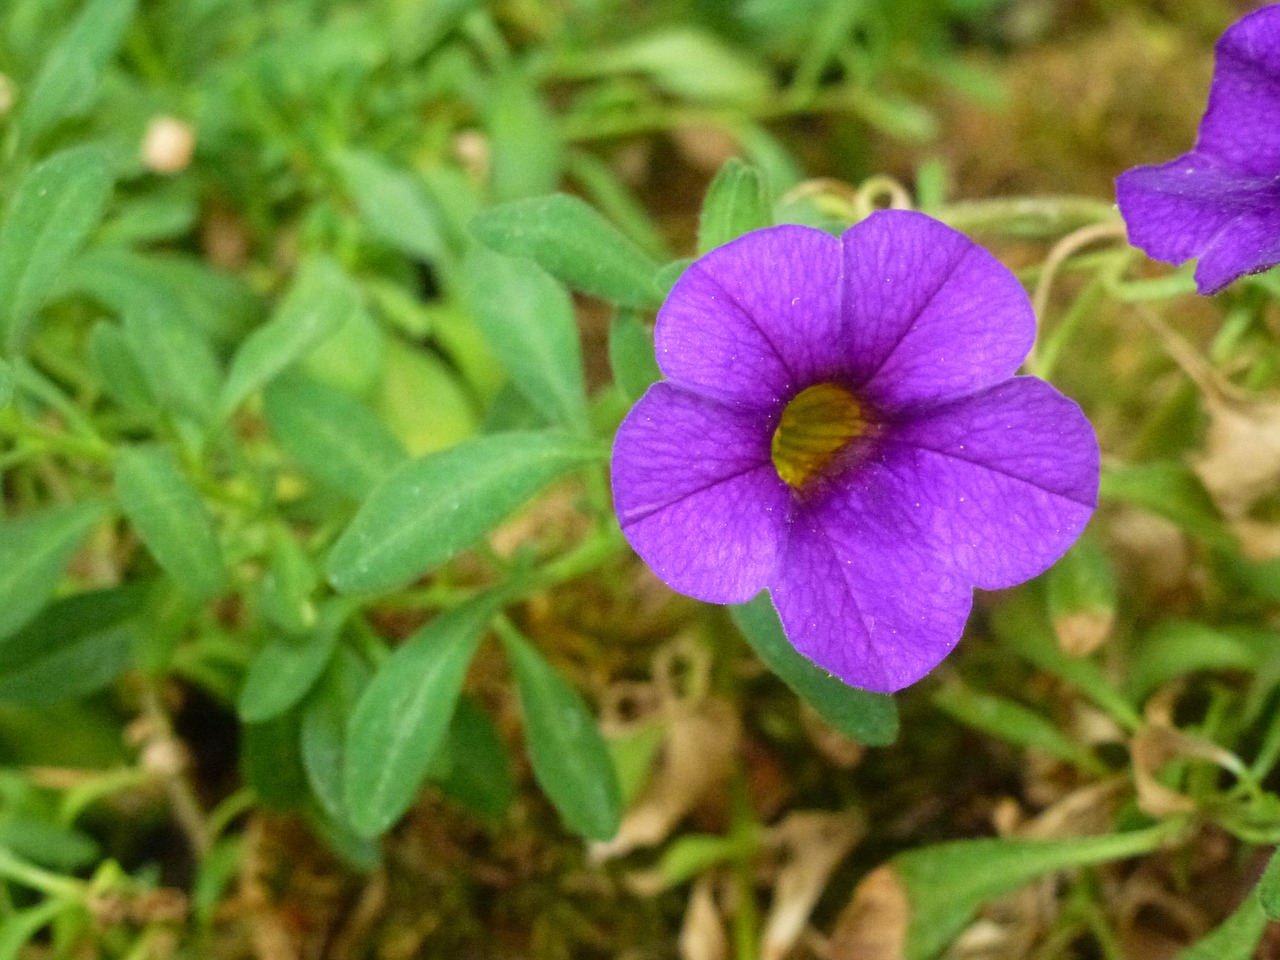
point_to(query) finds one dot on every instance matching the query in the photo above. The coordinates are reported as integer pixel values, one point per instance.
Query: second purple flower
(841, 425)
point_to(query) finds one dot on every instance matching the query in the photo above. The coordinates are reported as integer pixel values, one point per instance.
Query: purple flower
(841, 424)
(1221, 201)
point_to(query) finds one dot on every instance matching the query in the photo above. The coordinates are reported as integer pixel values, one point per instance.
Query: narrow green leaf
(67, 84)
(52, 211)
(689, 63)
(393, 203)
(282, 672)
(116, 368)
(871, 718)
(1269, 888)
(336, 439)
(34, 549)
(321, 299)
(404, 713)
(528, 320)
(6, 384)
(606, 190)
(736, 203)
(947, 884)
(569, 756)
(176, 360)
(1022, 625)
(573, 243)
(1176, 649)
(325, 716)
(1082, 596)
(271, 760)
(170, 518)
(1016, 724)
(151, 218)
(1236, 938)
(433, 507)
(19, 927)
(526, 152)
(288, 583)
(479, 776)
(73, 647)
(1170, 490)
(631, 354)
(47, 844)
(220, 308)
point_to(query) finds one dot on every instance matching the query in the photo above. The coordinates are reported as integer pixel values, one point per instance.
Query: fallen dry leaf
(874, 924)
(1240, 462)
(702, 935)
(702, 736)
(813, 844)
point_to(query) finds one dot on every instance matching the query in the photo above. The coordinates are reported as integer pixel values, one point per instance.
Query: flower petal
(1240, 123)
(1006, 480)
(1173, 211)
(931, 314)
(755, 320)
(1250, 245)
(697, 494)
(856, 598)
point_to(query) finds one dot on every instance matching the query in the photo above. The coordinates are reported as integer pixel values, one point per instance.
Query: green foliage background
(307, 561)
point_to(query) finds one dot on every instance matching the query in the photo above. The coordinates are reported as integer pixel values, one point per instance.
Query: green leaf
(403, 715)
(871, 718)
(220, 308)
(529, 323)
(67, 84)
(479, 776)
(573, 243)
(1170, 490)
(170, 518)
(52, 211)
(117, 369)
(282, 672)
(1236, 938)
(1016, 724)
(321, 299)
(324, 728)
(1020, 623)
(34, 549)
(691, 64)
(335, 438)
(569, 756)
(1175, 649)
(20, 926)
(47, 844)
(433, 507)
(287, 584)
(151, 218)
(176, 360)
(1082, 596)
(736, 203)
(631, 354)
(1269, 888)
(6, 384)
(272, 764)
(73, 647)
(526, 152)
(393, 204)
(947, 884)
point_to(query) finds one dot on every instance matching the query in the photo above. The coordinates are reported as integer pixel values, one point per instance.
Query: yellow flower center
(815, 426)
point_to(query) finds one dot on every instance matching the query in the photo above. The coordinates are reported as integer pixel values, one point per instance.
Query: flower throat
(815, 426)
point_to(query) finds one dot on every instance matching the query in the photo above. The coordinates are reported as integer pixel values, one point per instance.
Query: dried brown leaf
(874, 924)
(1081, 632)
(813, 844)
(702, 935)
